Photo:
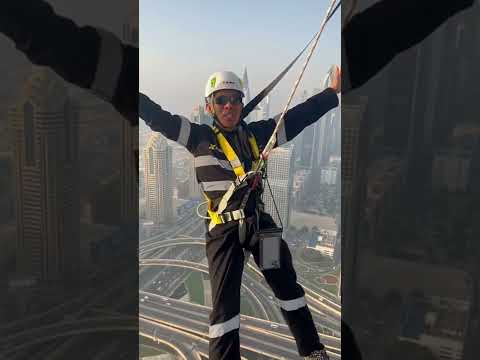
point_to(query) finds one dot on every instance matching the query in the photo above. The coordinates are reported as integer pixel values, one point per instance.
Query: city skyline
(265, 53)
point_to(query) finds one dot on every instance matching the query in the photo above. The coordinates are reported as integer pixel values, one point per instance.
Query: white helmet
(223, 80)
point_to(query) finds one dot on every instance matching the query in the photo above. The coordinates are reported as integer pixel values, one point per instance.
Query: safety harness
(219, 216)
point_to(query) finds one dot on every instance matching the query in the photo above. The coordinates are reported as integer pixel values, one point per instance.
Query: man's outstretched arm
(296, 119)
(375, 36)
(174, 127)
(91, 58)
(302, 115)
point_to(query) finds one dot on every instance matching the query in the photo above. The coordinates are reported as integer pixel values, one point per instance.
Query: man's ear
(209, 108)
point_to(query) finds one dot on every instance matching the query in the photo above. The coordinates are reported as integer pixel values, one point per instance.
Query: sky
(183, 42)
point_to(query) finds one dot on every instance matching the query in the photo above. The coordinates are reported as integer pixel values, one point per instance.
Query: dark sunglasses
(224, 99)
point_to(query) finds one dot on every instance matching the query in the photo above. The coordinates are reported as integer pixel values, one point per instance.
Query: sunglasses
(224, 99)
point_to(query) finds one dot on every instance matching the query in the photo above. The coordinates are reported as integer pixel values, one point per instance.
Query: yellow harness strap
(238, 169)
(229, 153)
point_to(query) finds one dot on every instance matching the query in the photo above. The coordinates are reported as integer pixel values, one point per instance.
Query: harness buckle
(215, 218)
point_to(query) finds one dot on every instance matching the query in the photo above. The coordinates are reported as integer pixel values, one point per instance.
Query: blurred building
(199, 116)
(280, 169)
(158, 175)
(194, 189)
(246, 91)
(328, 175)
(263, 111)
(129, 144)
(45, 130)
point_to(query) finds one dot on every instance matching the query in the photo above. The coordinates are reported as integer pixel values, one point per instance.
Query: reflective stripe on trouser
(225, 260)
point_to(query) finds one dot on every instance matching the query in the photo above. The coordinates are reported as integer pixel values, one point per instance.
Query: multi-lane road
(181, 327)
(165, 262)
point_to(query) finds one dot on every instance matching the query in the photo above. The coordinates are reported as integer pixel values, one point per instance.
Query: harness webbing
(260, 159)
(216, 216)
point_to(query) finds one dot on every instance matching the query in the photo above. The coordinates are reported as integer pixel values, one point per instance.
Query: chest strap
(219, 217)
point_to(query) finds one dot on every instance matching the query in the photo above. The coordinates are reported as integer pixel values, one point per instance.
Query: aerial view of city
(304, 196)
(186, 183)
(174, 283)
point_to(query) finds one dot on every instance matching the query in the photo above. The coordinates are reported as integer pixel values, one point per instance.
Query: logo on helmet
(213, 82)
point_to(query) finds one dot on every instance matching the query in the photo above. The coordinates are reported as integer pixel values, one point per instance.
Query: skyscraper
(158, 175)
(246, 90)
(323, 139)
(320, 142)
(129, 144)
(6, 188)
(45, 130)
(263, 111)
(266, 108)
(194, 187)
(305, 140)
(199, 116)
(280, 169)
(353, 109)
(336, 149)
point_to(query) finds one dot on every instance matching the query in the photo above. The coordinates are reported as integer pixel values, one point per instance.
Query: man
(223, 154)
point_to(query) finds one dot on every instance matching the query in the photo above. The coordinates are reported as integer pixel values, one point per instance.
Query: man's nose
(228, 105)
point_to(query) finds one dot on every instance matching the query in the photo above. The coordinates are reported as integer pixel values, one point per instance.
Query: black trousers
(226, 261)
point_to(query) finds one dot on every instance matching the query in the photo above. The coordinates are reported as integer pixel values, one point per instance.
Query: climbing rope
(273, 138)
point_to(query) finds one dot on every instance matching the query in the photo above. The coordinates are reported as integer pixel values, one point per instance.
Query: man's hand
(335, 79)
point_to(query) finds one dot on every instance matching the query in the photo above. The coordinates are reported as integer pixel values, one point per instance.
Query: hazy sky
(182, 42)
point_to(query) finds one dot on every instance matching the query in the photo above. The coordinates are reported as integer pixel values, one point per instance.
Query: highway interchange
(167, 259)
(167, 323)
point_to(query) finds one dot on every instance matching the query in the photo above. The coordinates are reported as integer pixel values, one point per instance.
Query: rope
(262, 94)
(264, 155)
(272, 140)
(198, 207)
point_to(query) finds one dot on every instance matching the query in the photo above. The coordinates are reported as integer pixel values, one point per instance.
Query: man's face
(227, 106)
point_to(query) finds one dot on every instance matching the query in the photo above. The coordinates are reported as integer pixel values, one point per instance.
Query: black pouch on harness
(269, 248)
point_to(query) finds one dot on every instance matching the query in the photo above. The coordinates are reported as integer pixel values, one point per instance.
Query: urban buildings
(45, 130)
(246, 90)
(280, 169)
(263, 112)
(130, 139)
(158, 183)
(199, 116)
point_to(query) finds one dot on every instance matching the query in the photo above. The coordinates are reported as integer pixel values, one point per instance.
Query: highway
(325, 312)
(165, 262)
(190, 319)
(10, 344)
(158, 307)
(200, 313)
